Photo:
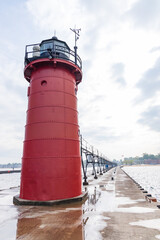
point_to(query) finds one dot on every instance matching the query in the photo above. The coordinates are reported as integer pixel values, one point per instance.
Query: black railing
(98, 162)
(33, 52)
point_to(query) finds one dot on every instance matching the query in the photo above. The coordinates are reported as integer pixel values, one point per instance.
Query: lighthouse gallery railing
(57, 52)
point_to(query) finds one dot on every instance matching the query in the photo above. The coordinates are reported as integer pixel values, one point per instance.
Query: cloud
(112, 53)
(12, 115)
(151, 118)
(118, 72)
(145, 14)
(149, 84)
(101, 134)
(48, 15)
(13, 105)
(155, 49)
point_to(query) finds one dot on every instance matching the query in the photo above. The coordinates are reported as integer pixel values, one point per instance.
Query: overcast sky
(119, 97)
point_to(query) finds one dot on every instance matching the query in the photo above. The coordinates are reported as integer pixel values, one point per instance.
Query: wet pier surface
(115, 209)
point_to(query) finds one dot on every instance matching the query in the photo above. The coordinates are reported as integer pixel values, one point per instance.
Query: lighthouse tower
(51, 164)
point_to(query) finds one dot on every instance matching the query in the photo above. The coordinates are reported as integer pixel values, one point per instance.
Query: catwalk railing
(57, 51)
(90, 156)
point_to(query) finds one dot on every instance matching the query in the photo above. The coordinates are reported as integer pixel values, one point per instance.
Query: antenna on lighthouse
(77, 35)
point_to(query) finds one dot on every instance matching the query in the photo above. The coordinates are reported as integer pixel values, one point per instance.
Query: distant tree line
(10, 165)
(145, 159)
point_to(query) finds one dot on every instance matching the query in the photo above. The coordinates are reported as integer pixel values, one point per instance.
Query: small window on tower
(43, 83)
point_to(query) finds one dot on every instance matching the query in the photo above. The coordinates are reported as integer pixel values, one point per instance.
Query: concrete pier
(116, 208)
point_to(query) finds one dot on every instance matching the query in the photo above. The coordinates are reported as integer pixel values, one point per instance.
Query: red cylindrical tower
(51, 164)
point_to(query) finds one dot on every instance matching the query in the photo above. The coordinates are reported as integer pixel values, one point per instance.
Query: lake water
(147, 176)
(8, 180)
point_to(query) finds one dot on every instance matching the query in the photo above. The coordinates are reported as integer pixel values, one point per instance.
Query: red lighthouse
(51, 164)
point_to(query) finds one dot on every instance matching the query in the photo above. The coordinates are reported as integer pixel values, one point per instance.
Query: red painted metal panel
(51, 165)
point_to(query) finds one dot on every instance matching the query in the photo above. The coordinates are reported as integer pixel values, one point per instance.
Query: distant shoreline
(142, 165)
(10, 171)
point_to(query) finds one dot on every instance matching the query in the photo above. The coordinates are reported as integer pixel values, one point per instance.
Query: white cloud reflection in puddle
(95, 224)
(152, 223)
(135, 210)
